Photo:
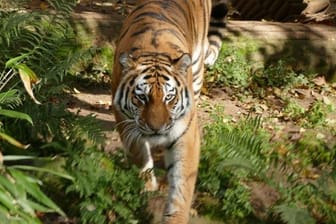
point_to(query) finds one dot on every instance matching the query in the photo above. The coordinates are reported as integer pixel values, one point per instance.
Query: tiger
(158, 68)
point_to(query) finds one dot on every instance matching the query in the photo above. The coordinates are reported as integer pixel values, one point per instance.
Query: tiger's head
(153, 93)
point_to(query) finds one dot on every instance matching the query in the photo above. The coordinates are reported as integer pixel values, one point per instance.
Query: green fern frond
(239, 147)
(63, 6)
(10, 99)
(87, 127)
(294, 215)
(42, 38)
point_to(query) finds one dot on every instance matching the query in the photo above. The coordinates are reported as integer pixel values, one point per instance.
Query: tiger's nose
(157, 117)
(158, 125)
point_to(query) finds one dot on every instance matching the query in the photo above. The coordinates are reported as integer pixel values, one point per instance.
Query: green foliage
(108, 191)
(21, 195)
(10, 99)
(95, 66)
(317, 113)
(235, 155)
(279, 74)
(231, 155)
(314, 116)
(232, 67)
(30, 42)
(294, 110)
(43, 41)
(293, 215)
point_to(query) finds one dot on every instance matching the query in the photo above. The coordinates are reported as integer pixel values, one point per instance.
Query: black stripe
(215, 43)
(195, 73)
(187, 96)
(197, 92)
(143, 30)
(156, 16)
(218, 24)
(146, 70)
(177, 81)
(147, 77)
(164, 77)
(182, 98)
(165, 4)
(170, 166)
(216, 33)
(122, 109)
(121, 95)
(128, 17)
(197, 59)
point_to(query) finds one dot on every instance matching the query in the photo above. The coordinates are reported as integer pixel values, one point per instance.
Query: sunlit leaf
(12, 141)
(17, 157)
(40, 169)
(8, 185)
(14, 61)
(24, 203)
(16, 114)
(6, 199)
(28, 78)
(34, 190)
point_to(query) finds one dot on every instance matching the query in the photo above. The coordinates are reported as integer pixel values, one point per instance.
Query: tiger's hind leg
(182, 167)
(216, 32)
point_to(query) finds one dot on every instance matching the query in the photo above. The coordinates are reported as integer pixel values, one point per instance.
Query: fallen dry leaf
(326, 100)
(320, 81)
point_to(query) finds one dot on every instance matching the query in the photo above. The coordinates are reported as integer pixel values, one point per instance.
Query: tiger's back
(157, 78)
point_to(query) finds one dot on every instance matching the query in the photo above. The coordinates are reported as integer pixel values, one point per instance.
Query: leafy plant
(108, 191)
(294, 215)
(293, 110)
(231, 155)
(317, 113)
(95, 66)
(28, 41)
(236, 155)
(232, 67)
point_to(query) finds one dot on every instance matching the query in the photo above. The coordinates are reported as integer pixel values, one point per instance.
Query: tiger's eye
(169, 97)
(141, 97)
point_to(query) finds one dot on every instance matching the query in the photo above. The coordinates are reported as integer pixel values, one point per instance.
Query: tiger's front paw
(149, 178)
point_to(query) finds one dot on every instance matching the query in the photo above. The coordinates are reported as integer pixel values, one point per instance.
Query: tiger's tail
(215, 34)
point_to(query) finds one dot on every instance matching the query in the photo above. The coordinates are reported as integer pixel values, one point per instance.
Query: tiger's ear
(183, 63)
(126, 60)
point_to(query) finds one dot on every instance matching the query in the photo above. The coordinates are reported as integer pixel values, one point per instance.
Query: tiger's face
(153, 95)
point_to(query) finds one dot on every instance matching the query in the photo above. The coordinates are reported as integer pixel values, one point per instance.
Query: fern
(39, 41)
(231, 155)
(10, 99)
(109, 192)
(294, 215)
(236, 147)
(42, 39)
(234, 155)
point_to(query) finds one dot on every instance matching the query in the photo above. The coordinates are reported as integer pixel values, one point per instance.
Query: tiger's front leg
(140, 154)
(182, 167)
